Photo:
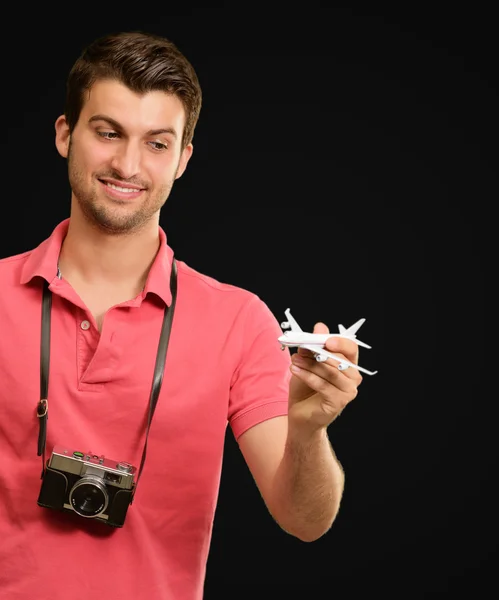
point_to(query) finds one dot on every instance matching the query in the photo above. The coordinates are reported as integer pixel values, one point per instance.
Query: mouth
(121, 192)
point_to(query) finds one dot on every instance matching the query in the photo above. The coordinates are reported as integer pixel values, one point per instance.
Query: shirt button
(85, 325)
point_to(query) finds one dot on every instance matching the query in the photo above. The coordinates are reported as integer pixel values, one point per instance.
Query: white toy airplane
(316, 341)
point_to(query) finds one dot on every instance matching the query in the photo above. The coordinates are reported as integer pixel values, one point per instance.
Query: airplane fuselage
(296, 338)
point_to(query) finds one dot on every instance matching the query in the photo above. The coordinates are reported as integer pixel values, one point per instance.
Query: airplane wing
(294, 325)
(325, 354)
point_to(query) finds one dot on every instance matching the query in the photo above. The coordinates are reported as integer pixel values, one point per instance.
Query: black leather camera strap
(42, 406)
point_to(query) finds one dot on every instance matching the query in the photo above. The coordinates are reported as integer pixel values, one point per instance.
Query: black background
(344, 166)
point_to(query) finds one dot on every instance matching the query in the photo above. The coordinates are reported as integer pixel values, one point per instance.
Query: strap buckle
(42, 408)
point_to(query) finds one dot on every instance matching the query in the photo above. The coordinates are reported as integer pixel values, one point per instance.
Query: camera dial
(124, 466)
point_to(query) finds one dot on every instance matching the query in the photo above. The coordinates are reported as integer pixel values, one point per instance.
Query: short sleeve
(260, 384)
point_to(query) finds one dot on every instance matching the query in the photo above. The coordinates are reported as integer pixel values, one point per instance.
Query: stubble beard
(112, 219)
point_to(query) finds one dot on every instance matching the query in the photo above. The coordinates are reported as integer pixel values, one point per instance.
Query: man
(133, 101)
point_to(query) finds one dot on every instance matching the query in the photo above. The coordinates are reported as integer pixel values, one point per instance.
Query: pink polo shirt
(224, 365)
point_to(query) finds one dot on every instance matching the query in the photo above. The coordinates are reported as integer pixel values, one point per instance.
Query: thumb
(320, 328)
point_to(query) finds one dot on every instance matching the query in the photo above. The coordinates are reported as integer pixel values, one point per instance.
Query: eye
(159, 146)
(108, 135)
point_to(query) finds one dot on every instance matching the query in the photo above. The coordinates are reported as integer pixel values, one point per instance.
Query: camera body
(89, 485)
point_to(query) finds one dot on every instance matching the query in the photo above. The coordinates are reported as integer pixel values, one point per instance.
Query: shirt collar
(42, 262)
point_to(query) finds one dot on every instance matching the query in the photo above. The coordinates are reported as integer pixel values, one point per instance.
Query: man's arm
(297, 473)
(291, 458)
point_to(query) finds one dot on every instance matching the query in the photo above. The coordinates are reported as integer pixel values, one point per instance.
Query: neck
(96, 257)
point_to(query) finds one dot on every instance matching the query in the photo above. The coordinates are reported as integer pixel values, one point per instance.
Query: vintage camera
(92, 486)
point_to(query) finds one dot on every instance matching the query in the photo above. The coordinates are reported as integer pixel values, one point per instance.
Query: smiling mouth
(121, 188)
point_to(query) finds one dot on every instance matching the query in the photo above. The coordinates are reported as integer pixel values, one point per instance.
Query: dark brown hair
(144, 62)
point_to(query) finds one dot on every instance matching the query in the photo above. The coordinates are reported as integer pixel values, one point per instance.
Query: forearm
(308, 485)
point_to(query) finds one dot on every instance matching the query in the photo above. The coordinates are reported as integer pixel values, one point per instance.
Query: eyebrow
(115, 125)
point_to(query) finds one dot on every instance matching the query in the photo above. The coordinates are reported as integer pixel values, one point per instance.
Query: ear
(184, 159)
(62, 136)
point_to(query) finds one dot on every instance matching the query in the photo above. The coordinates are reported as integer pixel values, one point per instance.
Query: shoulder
(11, 266)
(200, 285)
(10, 261)
(240, 306)
(206, 281)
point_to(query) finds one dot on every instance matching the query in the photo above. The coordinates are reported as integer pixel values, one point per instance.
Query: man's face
(124, 154)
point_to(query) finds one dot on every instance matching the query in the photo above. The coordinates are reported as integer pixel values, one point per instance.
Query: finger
(324, 381)
(350, 372)
(348, 348)
(305, 352)
(326, 371)
(320, 327)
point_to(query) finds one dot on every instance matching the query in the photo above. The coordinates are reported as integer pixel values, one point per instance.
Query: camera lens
(88, 497)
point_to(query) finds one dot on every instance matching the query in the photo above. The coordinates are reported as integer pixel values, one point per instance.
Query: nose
(126, 160)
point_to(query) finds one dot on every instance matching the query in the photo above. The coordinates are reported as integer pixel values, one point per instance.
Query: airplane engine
(320, 358)
(285, 325)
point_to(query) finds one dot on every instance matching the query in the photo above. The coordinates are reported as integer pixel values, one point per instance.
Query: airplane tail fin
(351, 332)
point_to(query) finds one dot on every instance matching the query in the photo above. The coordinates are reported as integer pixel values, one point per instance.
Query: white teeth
(121, 189)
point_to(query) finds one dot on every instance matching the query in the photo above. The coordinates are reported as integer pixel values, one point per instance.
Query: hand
(319, 391)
